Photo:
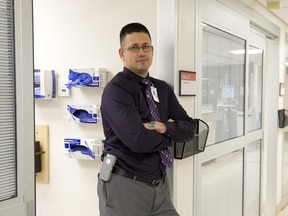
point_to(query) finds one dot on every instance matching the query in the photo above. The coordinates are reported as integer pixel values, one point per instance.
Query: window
(255, 75)
(223, 84)
(222, 185)
(253, 176)
(285, 135)
(7, 103)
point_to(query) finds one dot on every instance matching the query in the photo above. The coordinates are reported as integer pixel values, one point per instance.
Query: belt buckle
(155, 182)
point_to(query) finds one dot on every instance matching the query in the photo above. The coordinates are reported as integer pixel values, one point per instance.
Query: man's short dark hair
(131, 28)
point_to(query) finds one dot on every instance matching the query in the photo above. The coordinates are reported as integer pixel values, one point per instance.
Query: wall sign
(281, 89)
(187, 83)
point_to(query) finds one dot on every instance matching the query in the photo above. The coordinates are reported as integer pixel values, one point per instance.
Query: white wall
(186, 57)
(78, 34)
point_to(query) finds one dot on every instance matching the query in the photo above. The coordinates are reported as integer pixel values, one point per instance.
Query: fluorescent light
(250, 52)
(238, 52)
(255, 51)
(274, 5)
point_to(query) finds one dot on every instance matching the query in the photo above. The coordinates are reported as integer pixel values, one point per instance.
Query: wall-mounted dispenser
(44, 84)
(282, 118)
(84, 113)
(90, 77)
(86, 148)
(38, 153)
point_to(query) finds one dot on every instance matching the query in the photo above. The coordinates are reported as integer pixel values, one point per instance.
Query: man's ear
(121, 54)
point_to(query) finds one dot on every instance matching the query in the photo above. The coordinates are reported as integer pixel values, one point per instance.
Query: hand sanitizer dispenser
(44, 84)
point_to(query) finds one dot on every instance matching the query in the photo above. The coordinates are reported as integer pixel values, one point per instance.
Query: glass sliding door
(285, 167)
(254, 91)
(232, 89)
(223, 108)
(253, 123)
(252, 178)
(222, 185)
(284, 187)
(223, 84)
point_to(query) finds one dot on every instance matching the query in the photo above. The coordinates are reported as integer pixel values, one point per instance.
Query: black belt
(126, 174)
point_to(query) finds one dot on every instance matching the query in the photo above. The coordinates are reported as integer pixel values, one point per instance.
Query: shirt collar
(134, 77)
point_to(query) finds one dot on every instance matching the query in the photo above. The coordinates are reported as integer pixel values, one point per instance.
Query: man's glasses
(136, 49)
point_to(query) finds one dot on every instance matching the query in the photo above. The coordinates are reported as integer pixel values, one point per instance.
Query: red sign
(188, 76)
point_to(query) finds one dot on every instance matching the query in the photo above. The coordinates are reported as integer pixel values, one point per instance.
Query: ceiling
(278, 7)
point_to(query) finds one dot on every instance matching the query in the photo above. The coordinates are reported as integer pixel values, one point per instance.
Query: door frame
(24, 203)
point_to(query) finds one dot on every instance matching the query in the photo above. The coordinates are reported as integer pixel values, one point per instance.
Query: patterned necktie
(165, 155)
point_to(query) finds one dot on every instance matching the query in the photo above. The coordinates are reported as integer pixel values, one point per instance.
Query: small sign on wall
(281, 89)
(187, 83)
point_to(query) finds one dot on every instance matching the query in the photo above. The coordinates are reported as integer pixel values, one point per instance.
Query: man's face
(137, 61)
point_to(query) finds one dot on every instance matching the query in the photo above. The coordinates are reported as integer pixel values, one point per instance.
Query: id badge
(154, 94)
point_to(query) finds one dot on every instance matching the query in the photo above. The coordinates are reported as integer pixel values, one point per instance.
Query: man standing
(140, 115)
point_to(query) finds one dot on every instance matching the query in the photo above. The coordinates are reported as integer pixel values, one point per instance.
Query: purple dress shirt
(124, 109)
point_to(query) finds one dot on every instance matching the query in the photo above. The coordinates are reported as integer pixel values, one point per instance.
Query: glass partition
(285, 137)
(222, 185)
(255, 75)
(223, 76)
(285, 166)
(253, 171)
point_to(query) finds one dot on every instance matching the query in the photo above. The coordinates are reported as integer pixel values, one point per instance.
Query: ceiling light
(250, 52)
(273, 5)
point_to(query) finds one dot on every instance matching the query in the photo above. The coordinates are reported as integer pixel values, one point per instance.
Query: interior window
(254, 91)
(7, 104)
(223, 84)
